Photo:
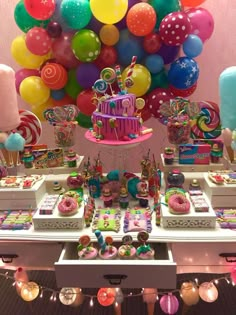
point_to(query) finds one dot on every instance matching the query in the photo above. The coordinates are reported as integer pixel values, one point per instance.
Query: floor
(12, 304)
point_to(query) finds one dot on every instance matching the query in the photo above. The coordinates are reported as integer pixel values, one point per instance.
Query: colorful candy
(119, 77)
(100, 240)
(108, 75)
(100, 86)
(128, 81)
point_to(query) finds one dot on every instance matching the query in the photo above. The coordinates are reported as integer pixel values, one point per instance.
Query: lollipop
(108, 75)
(100, 86)
(100, 239)
(50, 116)
(119, 78)
(113, 122)
(207, 124)
(30, 127)
(128, 80)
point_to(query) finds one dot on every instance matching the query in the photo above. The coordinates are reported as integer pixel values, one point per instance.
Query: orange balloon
(191, 3)
(109, 34)
(54, 76)
(145, 13)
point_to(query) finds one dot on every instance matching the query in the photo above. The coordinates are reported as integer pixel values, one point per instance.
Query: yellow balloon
(23, 56)
(39, 109)
(109, 11)
(141, 78)
(33, 91)
(109, 34)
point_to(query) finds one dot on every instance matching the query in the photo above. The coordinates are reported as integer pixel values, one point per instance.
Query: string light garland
(190, 292)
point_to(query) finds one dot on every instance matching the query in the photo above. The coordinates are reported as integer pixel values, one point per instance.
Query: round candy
(140, 103)
(30, 127)
(108, 75)
(54, 76)
(207, 123)
(100, 86)
(84, 240)
(143, 236)
(175, 28)
(108, 240)
(127, 239)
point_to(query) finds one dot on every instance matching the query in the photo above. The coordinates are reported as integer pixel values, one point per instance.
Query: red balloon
(183, 93)
(145, 112)
(40, 10)
(38, 41)
(106, 296)
(54, 76)
(107, 57)
(152, 43)
(66, 100)
(85, 102)
(156, 98)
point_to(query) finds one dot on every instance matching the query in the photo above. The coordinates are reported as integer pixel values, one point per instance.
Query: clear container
(179, 129)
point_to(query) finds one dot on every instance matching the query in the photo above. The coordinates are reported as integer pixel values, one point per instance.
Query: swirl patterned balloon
(100, 86)
(207, 123)
(108, 75)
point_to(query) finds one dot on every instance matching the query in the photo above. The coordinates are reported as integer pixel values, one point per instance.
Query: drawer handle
(115, 279)
(8, 258)
(227, 256)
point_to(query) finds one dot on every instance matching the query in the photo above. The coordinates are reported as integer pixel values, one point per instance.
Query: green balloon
(76, 13)
(25, 21)
(159, 80)
(86, 45)
(84, 121)
(72, 87)
(164, 7)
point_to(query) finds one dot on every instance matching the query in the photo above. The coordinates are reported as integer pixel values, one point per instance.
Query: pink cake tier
(127, 251)
(120, 105)
(88, 252)
(109, 253)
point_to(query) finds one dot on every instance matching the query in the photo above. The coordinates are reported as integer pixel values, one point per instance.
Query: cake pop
(85, 249)
(144, 251)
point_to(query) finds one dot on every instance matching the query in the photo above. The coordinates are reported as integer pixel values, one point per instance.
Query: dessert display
(85, 249)
(178, 204)
(16, 219)
(48, 204)
(68, 206)
(137, 219)
(127, 250)
(107, 219)
(22, 182)
(107, 251)
(144, 251)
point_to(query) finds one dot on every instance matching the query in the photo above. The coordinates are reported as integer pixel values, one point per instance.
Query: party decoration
(86, 45)
(208, 292)
(183, 92)
(29, 291)
(106, 296)
(155, 99)
(169, 304)
(108, 11)
(40, 10)
(154, 63)
(71, 296)
(189, 293)
(85, 103)
(30, 127)
(233, 275)
(87, 74)
(192, 46)
(108, 75)
(54, 76)
(21, 277)
(109, 34)
(72, 88)
(21, 74)
(108, 56)
(152, 43)
(33, 91)
(192, 3)
(141, 12)
(207, 124)
(100, 86)
(54, 29)
(150, 297)
(38, 41)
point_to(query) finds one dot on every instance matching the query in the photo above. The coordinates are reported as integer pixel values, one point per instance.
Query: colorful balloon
(54, 76)
(40, 10)
(191, 3)
(54, 29)
(72, 88)
(154, 63)
(38, 41)
(141, 12)
(109, 11)
(87, 74)
(39, 109)
(155, 99)
(109, 34)
(84, 121)
(192, 46)
(183, 92)
(86, 45)
(21, 74)
(107, 57)
(152, 43)
(84, 102)
(33, 91)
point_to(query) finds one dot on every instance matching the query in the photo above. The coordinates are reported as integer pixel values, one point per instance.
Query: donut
(67, 206)
(178, 204)
(174, 191)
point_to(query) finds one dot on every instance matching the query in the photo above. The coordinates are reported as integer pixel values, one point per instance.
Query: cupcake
(127, 250)
(144, 251)
(85, 249)
(107, 251)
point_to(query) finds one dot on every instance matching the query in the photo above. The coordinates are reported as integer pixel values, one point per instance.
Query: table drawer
(204, 257)
(159, 272)
(31, 255)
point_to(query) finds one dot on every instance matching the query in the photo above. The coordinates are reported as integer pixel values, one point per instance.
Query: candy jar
(175, 179)
(178, 129)
(169, 155)
(28, 159)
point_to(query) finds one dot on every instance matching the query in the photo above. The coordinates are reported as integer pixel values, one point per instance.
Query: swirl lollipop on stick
(109, 76)
(113, 122)
(119, 78)
(128, 80)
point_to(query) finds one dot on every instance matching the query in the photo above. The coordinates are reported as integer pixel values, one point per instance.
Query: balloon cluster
(66, 43)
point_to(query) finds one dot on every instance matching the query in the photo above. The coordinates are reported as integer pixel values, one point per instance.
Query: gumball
(25, 21)
(54, 29)
(154, 63)
(141, 78)
(169, 304)
(109, 11)
(76, 13)
(107, 57)
(62, 51)
(86, 45)
(183, 73)
(152, 43)
(38, 41)
(192, 46)
(33, 91)
(183, 92)
(40, 10)
(72, 88)
(191, 3)
(21, 74)
(175, 28)
(109, 34)
(156, 98)
(87, 74)
(141, 12)
(84, 102)
(202, 23)
(54, 76)
(84, 121)
(106, 296)
(23, 56)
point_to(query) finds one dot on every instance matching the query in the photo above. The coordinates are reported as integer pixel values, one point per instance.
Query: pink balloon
(156, 98)
(38, 41)
(202, 22)
(21, 74)
(62, 51)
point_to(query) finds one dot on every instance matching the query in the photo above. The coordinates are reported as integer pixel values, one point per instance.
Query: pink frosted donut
(67, 206)
(178, 204)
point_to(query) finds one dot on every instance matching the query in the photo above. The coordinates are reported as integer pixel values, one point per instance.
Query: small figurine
(144, 251)
(28, 159)
(107, 196)
(143, 195)
(58, 189)
(127, 250)
(169, 155)
(85, 249)
(216, 153)
(146, 166)
(123, 198)
(71, 158)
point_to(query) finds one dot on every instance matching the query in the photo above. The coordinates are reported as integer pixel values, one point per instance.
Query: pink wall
(218, 53)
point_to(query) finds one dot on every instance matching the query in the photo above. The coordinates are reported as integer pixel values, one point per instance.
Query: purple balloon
(54, 29)
(87, 74)
(122, 23)
(94, 25)
(168, 53)
(22, 74)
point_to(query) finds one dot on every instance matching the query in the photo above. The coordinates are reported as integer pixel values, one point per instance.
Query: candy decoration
(128, 81)
(208, 292)
(30, 127)
(207, 124)
(85, 240)
(169, 304)
(100, 239)
(29, 291)
(100, 86)
(106, 296)
(119, 77)
(71, 296)
(108, 75)
(189, 293)
(54, 76)
(113, 122)
(21, 277)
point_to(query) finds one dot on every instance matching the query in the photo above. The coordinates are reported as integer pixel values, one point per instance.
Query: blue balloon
(192, 46)
(58, 94)
(183, 73)
(154, 63)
